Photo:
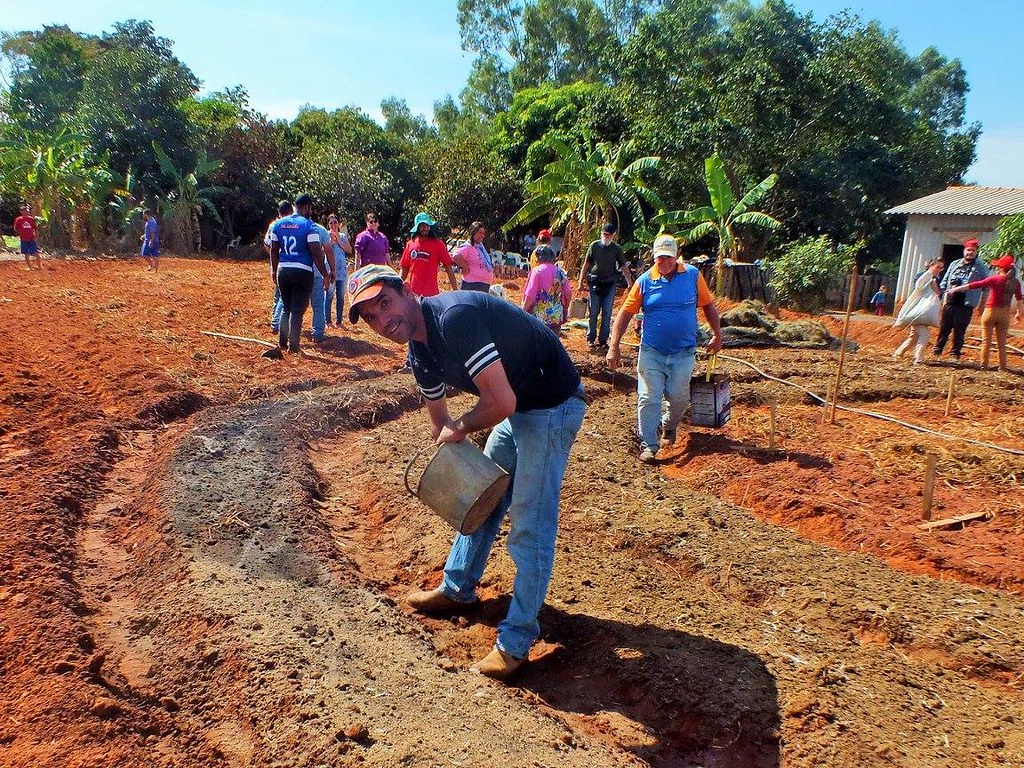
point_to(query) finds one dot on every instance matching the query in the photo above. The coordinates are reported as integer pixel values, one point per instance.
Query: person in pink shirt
(474, 261)
(548, 291)
(1003, 287)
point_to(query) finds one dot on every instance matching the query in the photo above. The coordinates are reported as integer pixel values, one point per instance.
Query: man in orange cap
(530, 397)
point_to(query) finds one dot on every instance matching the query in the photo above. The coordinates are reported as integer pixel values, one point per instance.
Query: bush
(805, 269)
(1009, 238)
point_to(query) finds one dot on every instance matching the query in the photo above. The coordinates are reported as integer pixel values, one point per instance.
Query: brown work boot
(497, 665)
(435, 601)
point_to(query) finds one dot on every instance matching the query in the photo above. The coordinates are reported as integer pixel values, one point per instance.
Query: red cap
(544, 234)
(1003, 262)
(972, 243)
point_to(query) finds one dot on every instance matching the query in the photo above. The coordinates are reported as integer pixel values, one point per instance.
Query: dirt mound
(750, 324)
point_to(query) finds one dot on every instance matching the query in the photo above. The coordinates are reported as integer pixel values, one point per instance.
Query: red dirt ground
(104, 365)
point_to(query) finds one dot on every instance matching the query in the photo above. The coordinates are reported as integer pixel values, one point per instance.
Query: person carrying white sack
(921, 311)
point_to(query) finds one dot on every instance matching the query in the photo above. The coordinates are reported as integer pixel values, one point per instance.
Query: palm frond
(165, 163)
(719, 188)
(755, 195)
(757, 219)
(696, 233)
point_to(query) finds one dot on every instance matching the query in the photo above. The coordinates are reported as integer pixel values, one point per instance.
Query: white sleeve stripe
(484, 350)
(272, 237)
(479, 366)
(312, 237)
(434, 393)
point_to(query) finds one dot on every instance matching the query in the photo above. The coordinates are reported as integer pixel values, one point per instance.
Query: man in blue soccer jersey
(530, 393)
(151, 241)
(294, 253)
(284, 208)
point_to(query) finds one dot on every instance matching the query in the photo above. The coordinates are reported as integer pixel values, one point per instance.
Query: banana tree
(586, 183)
(182, 205)
(111, 207)
(724, 214)
(56, 174)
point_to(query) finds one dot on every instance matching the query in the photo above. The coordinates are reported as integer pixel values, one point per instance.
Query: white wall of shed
(925, 236)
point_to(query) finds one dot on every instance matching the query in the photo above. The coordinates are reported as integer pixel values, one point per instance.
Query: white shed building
(938, 225)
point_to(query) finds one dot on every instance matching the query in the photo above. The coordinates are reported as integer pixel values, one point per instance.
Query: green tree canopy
(566, 111)
(47, 73)
(468, 183)
(525, 44)
(133, 95)
(851, 122)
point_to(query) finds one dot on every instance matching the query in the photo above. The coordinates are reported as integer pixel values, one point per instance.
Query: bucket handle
(408, 469)
(712, 364)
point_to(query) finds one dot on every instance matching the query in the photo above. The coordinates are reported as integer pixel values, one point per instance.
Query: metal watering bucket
(460, 484)
(578, 308)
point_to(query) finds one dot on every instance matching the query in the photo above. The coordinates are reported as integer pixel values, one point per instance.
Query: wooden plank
(955, 520)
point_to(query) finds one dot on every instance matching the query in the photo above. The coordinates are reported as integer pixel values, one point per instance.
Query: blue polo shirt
(467, 331)
(670, 309)
(294, 234)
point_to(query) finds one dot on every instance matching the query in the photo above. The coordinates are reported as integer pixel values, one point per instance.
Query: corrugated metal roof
(968, 201)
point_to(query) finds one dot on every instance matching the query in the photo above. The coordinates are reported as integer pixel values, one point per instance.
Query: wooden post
(949, 395)
(929, 486)
(828, 399)
(771, 427)
(842, 349)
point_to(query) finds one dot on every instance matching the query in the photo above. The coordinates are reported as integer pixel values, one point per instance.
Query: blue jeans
(337, 291)
(605, 307)
(533, 447)
(661, 377)
(275, 316)
(318, 298)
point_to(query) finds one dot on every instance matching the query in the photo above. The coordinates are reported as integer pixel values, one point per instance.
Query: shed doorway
(950, 253)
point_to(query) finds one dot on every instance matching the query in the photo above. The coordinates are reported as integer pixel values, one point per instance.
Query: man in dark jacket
(601, 266)
(958, 308)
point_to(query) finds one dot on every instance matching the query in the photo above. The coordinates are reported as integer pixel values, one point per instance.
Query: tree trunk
(572, 247)
(197, 233)
(720, 274)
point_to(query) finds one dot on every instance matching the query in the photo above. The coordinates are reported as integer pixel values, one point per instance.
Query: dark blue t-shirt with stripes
(468, 330)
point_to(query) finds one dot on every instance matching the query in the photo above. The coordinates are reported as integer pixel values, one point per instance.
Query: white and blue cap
(665, 245)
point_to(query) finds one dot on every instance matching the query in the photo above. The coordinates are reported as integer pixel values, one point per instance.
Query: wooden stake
(771, 428)
(929, 486)
(842, 349)
(949, 395)
(828, 399)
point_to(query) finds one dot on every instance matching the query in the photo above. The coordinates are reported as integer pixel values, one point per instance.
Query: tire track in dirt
(261, 633)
